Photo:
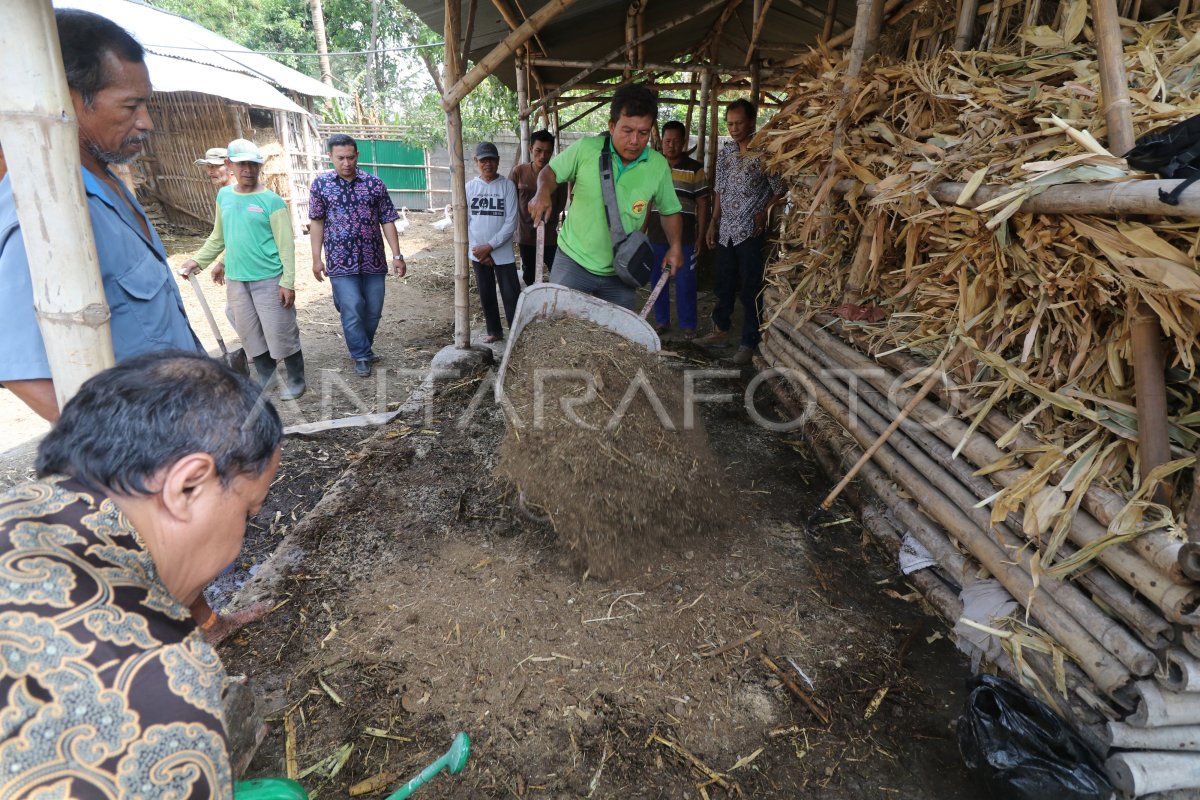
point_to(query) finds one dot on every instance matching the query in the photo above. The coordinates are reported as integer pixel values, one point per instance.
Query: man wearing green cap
(254, 229)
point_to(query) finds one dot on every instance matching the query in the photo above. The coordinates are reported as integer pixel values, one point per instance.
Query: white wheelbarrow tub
(551, 301)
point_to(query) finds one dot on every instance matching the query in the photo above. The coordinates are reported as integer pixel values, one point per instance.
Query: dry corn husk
(1042, 299)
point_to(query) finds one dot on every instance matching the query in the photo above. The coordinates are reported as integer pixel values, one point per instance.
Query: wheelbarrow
(453, 761)
(544, 301)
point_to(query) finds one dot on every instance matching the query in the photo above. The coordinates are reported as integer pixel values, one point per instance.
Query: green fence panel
(386, 159)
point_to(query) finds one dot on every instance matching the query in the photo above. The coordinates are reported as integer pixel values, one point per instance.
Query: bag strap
(612, 212)
(1171, 198)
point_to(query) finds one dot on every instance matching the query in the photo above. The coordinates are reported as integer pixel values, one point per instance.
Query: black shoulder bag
(632, 257)
(1173, 152)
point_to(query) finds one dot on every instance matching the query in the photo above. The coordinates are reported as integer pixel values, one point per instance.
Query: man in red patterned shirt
(348, 207)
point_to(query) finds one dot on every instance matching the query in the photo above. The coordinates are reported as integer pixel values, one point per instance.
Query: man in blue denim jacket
(110, 86)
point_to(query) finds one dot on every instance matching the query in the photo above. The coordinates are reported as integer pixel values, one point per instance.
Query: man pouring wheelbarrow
(616, 170)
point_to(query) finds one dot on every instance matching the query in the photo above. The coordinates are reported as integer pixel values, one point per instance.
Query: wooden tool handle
(540, 255)
(212, 321)
(666, 276)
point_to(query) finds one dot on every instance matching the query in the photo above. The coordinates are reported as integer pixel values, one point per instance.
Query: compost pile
(619, 475)
(1018, 474)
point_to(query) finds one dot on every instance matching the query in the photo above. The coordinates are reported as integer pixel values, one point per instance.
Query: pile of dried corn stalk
(1034, 474)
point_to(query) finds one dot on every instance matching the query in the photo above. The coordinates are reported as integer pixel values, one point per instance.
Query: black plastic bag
(1018, 748)
(1171, 152)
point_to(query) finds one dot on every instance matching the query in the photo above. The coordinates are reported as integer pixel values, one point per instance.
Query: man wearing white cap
(254, 229)
(213, 162)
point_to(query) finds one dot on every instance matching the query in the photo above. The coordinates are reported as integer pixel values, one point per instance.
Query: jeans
(529, 256)
(486, 279)
(567, 272)
(359, 301)
(685, 289)
(740, 272)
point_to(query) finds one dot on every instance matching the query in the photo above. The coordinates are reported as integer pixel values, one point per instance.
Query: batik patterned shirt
(352, 212)
(109, 689)
(744, 188)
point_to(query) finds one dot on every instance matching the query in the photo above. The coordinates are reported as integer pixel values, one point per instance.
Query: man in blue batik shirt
(110, 86)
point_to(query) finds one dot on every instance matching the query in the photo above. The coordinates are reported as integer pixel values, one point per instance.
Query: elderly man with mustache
(110, 87)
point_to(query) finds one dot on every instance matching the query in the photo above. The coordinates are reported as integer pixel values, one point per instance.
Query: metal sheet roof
(184, 56)
(590, 29)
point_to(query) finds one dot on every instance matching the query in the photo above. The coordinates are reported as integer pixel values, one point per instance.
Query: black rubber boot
(294, 387)
(265, 366)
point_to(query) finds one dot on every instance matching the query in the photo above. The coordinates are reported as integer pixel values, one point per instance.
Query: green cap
(244, 150)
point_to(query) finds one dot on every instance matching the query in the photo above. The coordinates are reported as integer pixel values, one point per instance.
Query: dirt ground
(426, 604)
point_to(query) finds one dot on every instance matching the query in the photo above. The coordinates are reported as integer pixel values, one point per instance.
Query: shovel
(237, 359)
(540, 252)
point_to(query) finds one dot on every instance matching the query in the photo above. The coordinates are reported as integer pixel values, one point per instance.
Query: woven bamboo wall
(185, 125)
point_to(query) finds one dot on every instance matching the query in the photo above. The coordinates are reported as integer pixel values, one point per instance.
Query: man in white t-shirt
(492, 219)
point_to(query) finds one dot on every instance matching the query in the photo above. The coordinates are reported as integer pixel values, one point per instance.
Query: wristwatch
(397, 258)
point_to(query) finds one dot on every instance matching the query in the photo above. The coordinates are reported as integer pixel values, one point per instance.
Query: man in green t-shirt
(642, 176)
(254, 229)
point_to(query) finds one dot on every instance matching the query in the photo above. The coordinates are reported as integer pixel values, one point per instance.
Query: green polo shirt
(585, 236)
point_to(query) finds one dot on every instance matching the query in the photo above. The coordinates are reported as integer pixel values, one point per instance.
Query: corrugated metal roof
(590, 29)
(184, 56)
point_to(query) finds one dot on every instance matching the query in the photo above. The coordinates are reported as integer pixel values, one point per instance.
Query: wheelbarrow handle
(658, 287)
(212, 321)
(540, 252)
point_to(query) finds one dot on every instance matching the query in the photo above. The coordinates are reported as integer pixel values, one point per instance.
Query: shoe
(264, 365)
(744, 355)
(373, 357)
(489, 339)
(660, 329)
(363, 367)
(716, 338)
(294, 387)
(688, 334)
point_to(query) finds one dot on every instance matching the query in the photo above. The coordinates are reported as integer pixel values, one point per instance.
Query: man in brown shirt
(541, 147)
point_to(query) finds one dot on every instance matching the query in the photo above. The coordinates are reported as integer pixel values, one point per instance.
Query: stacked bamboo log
(1021, 466)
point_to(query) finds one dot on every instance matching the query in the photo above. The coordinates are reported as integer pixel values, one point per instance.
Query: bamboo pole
(848, 34)
(660, 66)
(1150, 576)
(917, 397)
(702, 134)
(714, 136)
(1128, 198)
(630, 38)
(470, 32)
(508, 48)
(1111, 635)
(966, 24)
(41, 147)
(1121, 600)
(578, 117)
(830, 18)
(600, 62)
(458, 183)
(1150, 391)
(522, 69)
(1100, 665)
(761, 7)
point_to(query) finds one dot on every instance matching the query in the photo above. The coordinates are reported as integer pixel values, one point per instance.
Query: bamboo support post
(966, 24)
(830, 18)
(508, 48)
(1123, 736)
(1159, 551)
(522, 70)
(714, 135)
(458, 184)
(702, 136)
(41, 148)
(1103, 667)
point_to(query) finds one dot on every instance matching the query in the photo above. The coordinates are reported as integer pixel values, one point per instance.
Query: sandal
(489, 339)
(688, 333)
